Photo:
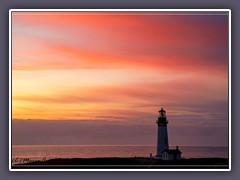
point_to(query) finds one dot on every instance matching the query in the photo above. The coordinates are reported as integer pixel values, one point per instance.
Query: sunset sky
(101, 77)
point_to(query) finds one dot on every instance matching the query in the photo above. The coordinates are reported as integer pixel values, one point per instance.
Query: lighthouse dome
(162, 113)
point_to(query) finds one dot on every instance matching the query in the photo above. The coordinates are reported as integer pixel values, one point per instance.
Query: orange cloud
(91, 40)
(87, 65)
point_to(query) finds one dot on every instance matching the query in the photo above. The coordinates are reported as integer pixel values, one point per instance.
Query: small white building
(171, 154)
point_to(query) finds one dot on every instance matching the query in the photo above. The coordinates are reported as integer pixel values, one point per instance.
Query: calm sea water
(81, 151)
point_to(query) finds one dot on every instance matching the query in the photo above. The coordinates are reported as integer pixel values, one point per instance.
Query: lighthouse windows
(162, 114)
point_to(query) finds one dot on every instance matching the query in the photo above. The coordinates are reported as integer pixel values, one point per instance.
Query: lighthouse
(162, 135)
(163, 151)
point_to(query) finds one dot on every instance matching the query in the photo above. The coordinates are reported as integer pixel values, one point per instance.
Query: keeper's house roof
(172, 151)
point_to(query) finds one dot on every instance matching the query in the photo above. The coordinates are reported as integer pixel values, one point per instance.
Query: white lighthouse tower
(162, 138)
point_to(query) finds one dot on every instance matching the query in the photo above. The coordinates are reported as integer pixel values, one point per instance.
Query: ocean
(38, 152)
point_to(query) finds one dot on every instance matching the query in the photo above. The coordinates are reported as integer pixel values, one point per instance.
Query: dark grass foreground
(125, 163)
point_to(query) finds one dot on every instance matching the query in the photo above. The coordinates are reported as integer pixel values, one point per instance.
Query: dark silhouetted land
(126, 163)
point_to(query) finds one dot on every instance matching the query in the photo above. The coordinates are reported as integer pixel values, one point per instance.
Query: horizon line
(113, 145)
